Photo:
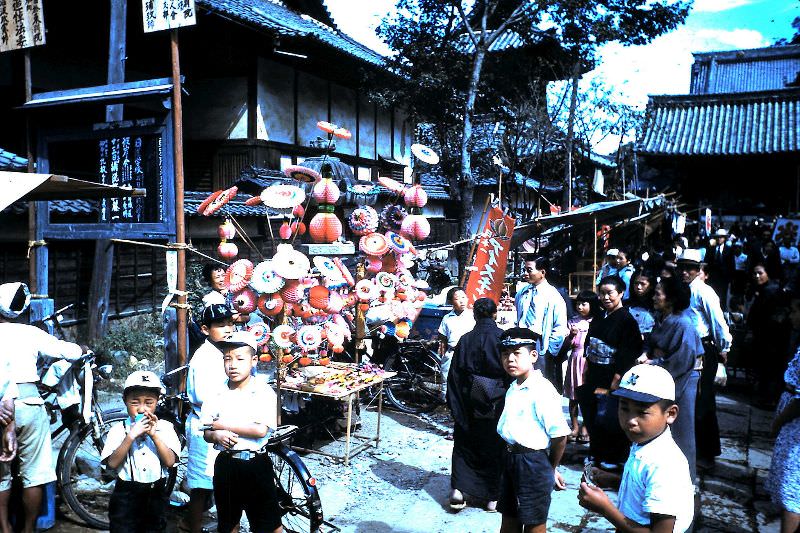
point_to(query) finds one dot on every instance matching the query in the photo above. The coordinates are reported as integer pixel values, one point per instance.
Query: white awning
(33, 187)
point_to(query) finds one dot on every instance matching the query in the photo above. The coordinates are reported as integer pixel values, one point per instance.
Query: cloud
(715, 6)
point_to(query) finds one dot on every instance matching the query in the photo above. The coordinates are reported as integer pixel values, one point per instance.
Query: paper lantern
(325, 228)
(415, 227)
(326, 192)
(227, 250)
(299, 211)
(415, 196)
(226, 230)
(318, 297)
(298, 227)
(292, 292)
(285, 231)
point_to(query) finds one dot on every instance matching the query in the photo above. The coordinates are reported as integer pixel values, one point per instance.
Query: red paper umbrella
(325, 228)
(205, 203)
(270, 304)
(261, 332)
(220, 200)
(254, 201)
(392, 185)
(283, 197)
(238, 275)
(282, 336)
(374, 244)
(327, 127)
(300, 173)
(245, 300)
(309, 338)
(342, 133)
(424, 154)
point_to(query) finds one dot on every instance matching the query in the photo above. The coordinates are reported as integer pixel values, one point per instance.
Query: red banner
(488, 270)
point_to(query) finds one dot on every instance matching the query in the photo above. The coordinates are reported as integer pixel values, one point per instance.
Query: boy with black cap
(204, 379)
(141, 449)
(532, 422)
(238, 421)
(656, 492)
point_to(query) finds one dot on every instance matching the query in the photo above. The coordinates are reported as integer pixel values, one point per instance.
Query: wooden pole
(180, 236)
(475, 241)
(594, 259)
(33, 283)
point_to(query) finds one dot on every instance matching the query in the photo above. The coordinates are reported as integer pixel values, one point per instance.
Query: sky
(661, 67)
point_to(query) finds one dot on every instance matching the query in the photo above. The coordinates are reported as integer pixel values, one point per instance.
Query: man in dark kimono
(476, 390)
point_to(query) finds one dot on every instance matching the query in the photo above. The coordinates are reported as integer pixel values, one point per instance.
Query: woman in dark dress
(675, 345)
(476, 388)
(613, 344)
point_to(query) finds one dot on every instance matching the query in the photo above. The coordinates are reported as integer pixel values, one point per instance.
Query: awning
(35, 187)
(602, 212)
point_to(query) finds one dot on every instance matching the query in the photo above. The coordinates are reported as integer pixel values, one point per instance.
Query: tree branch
(472, 36)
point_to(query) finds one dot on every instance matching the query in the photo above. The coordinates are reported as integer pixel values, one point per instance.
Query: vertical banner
(158, 15)
(488, 271)
(21, 24)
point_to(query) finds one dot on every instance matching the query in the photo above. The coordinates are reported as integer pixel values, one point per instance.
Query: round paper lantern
(270, 304)
(326, 191)
(298, 227)
(227, 250)
(415, 196)
(415, 227)
(299, 211)
(226, 230)
(325, 228)
(285, 231)
(319, 296)
(245, 300)
(292, 292)
(363, 220)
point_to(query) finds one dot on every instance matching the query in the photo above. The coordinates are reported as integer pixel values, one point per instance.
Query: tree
(795, 39)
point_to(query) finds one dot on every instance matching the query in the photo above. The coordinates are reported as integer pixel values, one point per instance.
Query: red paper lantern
(415, 196)
(325, 228)
(285, 231)
(415, 227)
(298, 227)
(292, 292)
(299, 211)
(319, 297)
(227, 250)
(226, 230)
(326, 192)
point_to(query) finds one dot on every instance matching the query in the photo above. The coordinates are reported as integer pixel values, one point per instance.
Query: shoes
(491, 507)
(705, 465)
(449, 436)
(457, 500)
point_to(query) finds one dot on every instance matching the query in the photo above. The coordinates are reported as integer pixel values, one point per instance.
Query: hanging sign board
(159, 15)
(21, 24)
(489, 269)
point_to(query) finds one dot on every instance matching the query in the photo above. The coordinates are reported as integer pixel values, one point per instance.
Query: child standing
(205, 378)
(238, 422)
(532, 421)
(141, 449)
(587, 306)
(656, 492)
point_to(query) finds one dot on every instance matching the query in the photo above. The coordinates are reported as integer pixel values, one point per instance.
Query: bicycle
(418, 386)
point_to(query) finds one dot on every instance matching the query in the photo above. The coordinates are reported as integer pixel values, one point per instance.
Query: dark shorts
(249, 487)
(526, 488)
(137, 507)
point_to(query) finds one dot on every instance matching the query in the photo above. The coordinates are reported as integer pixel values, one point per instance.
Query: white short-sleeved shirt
(214, 297)
(532, 414)
(656, 480)
(142, 463)
(27, 343)
(8, 387)
(454, 326)
(256, 403)
(206, 376)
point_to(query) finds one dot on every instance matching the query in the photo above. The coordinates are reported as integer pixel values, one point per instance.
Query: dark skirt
(477, 459)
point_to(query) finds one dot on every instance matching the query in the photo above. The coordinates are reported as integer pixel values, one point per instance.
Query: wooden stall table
(349, 396)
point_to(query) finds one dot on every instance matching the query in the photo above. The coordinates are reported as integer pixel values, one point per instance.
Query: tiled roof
(509, 40)
(274, 16)
(11, 161)
(732, 124)
(741, 71)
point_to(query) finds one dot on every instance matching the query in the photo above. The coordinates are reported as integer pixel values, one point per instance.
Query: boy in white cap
(238, 421)
(141, 449)
(23, 345)
(656, 492)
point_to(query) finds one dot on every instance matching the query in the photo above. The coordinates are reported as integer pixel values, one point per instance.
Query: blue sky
(661, 67)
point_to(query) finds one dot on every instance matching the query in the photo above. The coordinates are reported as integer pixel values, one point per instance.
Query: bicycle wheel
(418, 386)
(298, 497)
(84, 483)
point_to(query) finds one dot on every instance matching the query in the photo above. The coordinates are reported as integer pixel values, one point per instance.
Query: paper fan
(327, 267)
(392, 185)
(282, 196)
(399, 244)
(300, 173)
(425, 154)
(309, 337)
(261, 333)
(238, 275)
(265, 280)
(282, 336)
(373, 244)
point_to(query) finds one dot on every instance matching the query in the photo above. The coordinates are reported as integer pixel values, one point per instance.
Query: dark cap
(215, 313)
(513, 337)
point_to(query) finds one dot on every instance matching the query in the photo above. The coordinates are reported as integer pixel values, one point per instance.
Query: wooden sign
(21, 24)
(488, 272)
(160, 15)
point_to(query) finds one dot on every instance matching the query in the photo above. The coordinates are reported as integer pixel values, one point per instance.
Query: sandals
(457, 501)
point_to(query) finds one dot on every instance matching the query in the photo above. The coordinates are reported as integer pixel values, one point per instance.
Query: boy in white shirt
(239, 421)
(535, 430)
(453, 326)
(656, 491)
(8, 392)
(141, 449)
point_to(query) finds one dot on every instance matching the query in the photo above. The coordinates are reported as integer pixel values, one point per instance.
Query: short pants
(526, 487)
(247, 486)
(138, 507)
(34, 449)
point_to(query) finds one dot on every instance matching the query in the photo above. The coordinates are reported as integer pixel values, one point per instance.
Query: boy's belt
(242, 455)
(519, 448)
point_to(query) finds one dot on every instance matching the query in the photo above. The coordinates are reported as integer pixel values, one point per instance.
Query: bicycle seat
(281, 434)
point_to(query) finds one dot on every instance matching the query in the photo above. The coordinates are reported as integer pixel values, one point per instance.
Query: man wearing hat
(720, 265)
(26, 344)
(707, 316)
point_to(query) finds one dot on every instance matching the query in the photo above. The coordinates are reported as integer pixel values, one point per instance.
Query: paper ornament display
(363, 220)
(416, 227)
(325, 228)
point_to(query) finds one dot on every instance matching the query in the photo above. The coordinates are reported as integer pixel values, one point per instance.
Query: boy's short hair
(215, 313)
(484, 308)
(452, 292)
(210, 268)
(647, 384)
(143, 380)
(515, 337)
(239, 339)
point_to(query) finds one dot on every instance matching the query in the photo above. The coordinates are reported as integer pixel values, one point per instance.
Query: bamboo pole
(594, 259)
(474, 242)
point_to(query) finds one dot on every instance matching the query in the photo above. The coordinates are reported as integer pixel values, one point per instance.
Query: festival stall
(305, 303)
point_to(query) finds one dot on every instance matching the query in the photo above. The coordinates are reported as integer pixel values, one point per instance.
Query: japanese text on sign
(489, 269)
(160, 15)
(21, 24)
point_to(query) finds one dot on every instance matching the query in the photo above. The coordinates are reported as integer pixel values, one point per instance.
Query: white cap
(146, 380)
(14, 299)
(241, 338)
(690, 255)
(612, 251)
(646, 383)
